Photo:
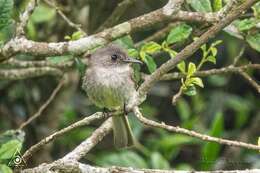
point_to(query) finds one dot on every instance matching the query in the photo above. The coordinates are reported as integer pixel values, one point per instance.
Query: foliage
(201, 5)
(210, 151)
(6, 7)
(221, 105)
(248, 29)
(10, 143)
(188, 85)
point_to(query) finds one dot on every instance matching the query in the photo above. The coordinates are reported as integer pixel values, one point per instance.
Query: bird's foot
(106, 112)
(124, 110)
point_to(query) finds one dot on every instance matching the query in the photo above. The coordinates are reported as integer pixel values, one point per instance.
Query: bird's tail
(123, 136)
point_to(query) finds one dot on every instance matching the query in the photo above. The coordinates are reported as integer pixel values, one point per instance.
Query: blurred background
(228, 106)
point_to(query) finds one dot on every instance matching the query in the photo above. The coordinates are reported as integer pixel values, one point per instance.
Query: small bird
(109, 84)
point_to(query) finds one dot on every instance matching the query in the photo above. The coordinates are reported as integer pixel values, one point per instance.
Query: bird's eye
(114, 57)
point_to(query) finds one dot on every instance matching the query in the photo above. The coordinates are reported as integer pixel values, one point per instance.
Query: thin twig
(250, 80)
(44, 106)
(116, 14)
(192, 133)
(24, 17)
(176, 97)
(236, 59)
(64, 17)
(227, 8)
(87, 120)
(205, 73)
(82, 149)
(230, 69)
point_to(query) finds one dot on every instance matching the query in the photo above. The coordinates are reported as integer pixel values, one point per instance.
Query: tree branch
(192, 133)
(171, 9)
(64, 17)
(22, 45)
(189, 50)
(24, 17)
(43, 63)
(16, 74)
(82, 149)
(250, 80)
(68, 166)
(85, 121)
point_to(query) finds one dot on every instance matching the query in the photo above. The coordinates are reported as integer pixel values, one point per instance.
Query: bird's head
(110, 56)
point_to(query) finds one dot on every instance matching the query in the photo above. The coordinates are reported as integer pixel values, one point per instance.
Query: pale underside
(109, 87)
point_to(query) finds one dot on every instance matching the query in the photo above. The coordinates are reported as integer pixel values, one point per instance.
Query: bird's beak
(132, 60)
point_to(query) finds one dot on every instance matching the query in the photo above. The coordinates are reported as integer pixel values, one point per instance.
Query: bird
(109, 84)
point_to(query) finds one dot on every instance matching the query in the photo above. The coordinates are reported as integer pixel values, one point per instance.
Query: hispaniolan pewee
(109, 84)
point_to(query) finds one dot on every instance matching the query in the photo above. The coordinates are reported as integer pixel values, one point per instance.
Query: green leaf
(182, 67)
(77, 35)
(179, 33)
(210, 151)
(8, 149)
(233, 31)
(5, 169)
(125, 158)
(211, 59)
(169, 144)
(204, 47)
(31, 30)
(254, 41)
(59, 59)
(165, 45)
(184, 167)
(245, 24)
(214, 44)
(200, 5)
(158, 161)
(171, 141)
(191, 69)
(125, 42)
(167, 49)
(142, 55)
(217, 80)
(43, 13)
(149, 61)
(217, 5)
(151, 47)
(213, 51)
(172, 53)
(132, 52)
(242, 108)
(190, 91)
(256, 9)
(6, 7)
(197, 81)
(80, 66)
(183, 109)
(67, 37)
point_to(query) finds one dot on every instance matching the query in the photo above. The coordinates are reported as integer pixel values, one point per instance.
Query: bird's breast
(109, 88)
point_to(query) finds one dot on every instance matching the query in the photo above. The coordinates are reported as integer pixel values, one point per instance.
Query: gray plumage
(108, 83)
